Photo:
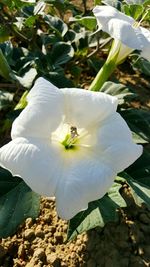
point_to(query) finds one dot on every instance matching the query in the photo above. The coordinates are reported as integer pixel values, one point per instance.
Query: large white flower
(69, 143)
(127, 33)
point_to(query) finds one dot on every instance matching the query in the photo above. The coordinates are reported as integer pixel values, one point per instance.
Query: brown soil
(42, 242)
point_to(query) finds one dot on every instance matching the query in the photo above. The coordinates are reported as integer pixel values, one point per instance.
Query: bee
(73, 132)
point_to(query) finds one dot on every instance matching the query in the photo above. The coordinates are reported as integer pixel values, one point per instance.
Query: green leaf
(59, 79)
(5, 70)
(98, 213)
(140, 192)
(56, 24)
(61, 53)
(122, 92)
(4, 34)
(7, 183)
(140, 170)
(142, 65)
(88, 22)
(17, 202)
(29, 22)
(138, 121)
(5, 99)
(27, 80)
(133, 10)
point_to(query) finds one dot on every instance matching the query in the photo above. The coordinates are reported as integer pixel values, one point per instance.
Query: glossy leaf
(56, 24)
(133, 10)
(88, 22)
(61, 53)
(139, 122)
(98, 213)
(122, 92)
(17, 202)
(139, 191)
(140, 170)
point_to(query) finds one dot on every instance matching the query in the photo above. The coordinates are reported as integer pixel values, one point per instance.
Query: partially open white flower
(125, 30)
(69, 143)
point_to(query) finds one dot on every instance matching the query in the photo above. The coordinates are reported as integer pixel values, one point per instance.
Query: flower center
(71, 138)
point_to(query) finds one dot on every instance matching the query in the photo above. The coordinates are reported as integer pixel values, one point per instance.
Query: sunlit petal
(86, 180)
(36, 162)
(84, 108)
(43, 112)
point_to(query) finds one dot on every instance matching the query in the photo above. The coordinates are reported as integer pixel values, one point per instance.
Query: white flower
(69, 143)
(125, 30)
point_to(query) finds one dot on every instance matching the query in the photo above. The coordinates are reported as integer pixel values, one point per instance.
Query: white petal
(84, 108)
(105, 13)
(122, 154)
(85, 180)
(43, 112)
(114, 144)
(114, 129)
(146, 49)
(121, 27)
(38, 164)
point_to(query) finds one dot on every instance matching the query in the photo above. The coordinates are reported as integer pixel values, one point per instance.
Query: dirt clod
(41, 243)
(29, 234)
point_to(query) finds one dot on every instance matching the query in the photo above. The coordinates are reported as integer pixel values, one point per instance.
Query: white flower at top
(69, 143)
(125, 30)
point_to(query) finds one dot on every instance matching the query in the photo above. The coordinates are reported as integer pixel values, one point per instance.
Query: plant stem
(103, 75)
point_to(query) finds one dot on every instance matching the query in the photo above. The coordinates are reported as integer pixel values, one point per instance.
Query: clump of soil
(42, 242)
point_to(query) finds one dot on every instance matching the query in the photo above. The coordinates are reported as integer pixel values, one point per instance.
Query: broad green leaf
(5, 99)
(98, 213)
(133, 10)
(142, 65)
(17, 202)
(122, 92)
(59, 79)
(140, 170)
(56, 24)
(28, 78)
(140, 192)
(139, 122)
(7, 183)
(61, 53)
(5, 70)
(88, 22)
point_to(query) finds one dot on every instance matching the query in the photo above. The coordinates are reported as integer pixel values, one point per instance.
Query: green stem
(103, 75)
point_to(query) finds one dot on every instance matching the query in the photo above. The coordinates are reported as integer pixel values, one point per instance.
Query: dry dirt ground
(42, 242)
